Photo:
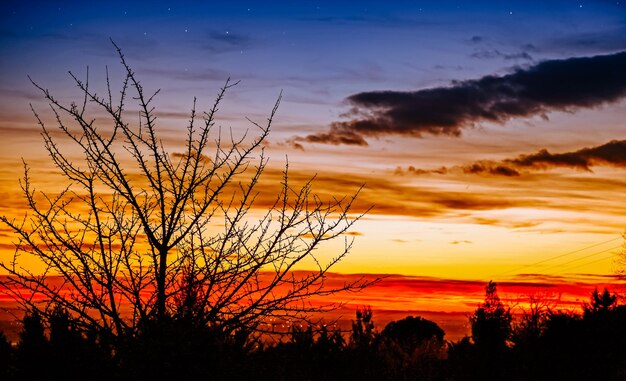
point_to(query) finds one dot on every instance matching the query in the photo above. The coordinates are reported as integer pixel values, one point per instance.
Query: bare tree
(133, 235)
(533, 319)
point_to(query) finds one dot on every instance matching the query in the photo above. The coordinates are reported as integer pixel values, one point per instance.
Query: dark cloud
(612, 153)
(479, 167)
(418, 171)
(460, 201)
(335, 136)
(555, 85)
(491, 168)
(503, 171)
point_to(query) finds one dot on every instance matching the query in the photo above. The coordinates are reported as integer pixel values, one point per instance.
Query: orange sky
(448, 302)
(557, 223)
(529, 195)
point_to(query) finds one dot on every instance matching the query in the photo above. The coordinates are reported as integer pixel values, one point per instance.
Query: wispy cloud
(604, 39)
(227, 41)
(188, 75)
(495, 53)
(389, 197)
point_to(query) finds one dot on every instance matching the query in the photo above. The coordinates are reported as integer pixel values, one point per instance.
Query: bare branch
(132, 237)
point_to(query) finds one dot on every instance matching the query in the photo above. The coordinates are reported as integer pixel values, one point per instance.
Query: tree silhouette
(32, 345)
(491, 322)
(132, 237)
(5, 356)
(363, 334)
(411, 348)
(599, 304)
(413, 333)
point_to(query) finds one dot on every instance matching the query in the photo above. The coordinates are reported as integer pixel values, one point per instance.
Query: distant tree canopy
(142, 234)
(411, 333)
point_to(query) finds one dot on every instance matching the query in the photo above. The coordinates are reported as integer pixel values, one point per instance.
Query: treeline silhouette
(542, 344)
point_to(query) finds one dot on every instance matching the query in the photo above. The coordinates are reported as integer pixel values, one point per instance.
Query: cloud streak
(225, 42)
(554, 85)
(490, 54)
(612, 154)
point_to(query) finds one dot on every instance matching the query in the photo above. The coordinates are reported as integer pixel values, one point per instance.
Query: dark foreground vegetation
(541, 344)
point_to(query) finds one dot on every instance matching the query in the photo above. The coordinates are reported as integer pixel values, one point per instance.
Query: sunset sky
(490, 136)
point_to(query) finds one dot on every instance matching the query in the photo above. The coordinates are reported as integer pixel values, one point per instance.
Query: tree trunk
(161, 285)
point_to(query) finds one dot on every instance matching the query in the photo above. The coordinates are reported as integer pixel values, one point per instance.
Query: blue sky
(320, 50)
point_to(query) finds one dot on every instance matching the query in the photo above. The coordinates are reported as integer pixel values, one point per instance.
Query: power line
(581, 258)
(577, 251)
(592, 262)
(559, 256)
